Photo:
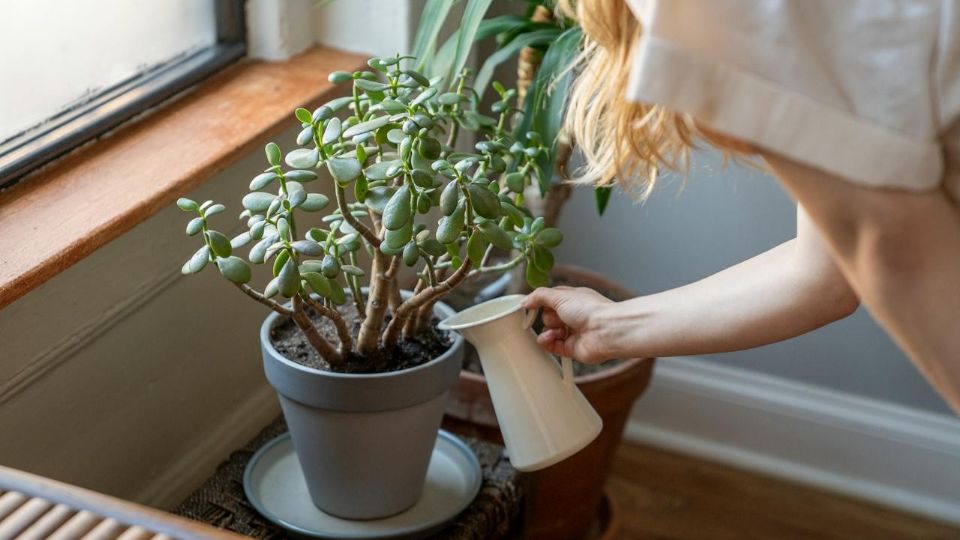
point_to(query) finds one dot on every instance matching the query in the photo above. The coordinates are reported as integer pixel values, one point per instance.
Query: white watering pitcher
(543, 416)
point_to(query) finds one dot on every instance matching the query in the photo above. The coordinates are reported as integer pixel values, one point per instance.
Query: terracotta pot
(608, 519)
(563, 499)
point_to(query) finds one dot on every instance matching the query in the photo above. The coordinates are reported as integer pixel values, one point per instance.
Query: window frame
(39, 145)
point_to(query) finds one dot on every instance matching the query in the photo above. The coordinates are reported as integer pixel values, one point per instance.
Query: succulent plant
(389, 150)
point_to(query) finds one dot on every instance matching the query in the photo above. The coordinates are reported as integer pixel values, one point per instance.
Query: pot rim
(274, 318)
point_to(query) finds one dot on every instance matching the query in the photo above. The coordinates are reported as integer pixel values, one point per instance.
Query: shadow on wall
(726, 214)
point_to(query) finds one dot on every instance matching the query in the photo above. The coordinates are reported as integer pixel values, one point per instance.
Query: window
(73, 70)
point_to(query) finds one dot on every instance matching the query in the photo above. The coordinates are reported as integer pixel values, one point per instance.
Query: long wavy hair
(621, 141)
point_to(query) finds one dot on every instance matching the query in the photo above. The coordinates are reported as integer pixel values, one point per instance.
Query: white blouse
(868, 90)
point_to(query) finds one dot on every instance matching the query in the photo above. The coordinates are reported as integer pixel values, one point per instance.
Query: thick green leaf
(448, 230)
(339, 77)
(330, 267)
(432, 247)
(343, 170)
(301, 176)
(423, 97)
(332, 131)
(308, 247)
(476, 247)
(535, 276)
(234, 269)
(398, 211)
(303, 158)
(485, 203)
(240, 240)
(411, 254)
(370, 86)
(219, 243)
(197, 261)
(288, 280)
(262, 180)
(377, 198)
(320, 284)
(364, 127)
(305, 135)
(315, 202)
(449, 198)
(515, 181)
(550, 237)
(187, 205)
(258, 253)
(379, 170)
(273, 153)
(258, 201)
(497, 236)
(398, 238)
(194, 226)
(303, 115)
(542, 258)
(393, 107)
(272, 288)
(214, 209)
(537, 37)
(295, 194)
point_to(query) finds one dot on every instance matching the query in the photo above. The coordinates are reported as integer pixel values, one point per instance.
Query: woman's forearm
(774, 296)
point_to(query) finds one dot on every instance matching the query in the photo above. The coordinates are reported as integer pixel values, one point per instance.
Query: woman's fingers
(543, 297)
(551, 319)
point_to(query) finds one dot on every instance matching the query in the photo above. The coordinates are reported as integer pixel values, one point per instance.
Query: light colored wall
(723, 216)
(118, 373)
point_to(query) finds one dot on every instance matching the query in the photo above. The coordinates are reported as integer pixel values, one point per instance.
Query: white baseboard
(865, 448)
(176, 482)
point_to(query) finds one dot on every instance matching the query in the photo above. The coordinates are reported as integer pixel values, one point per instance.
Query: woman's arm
(784, 292)
(901, 252)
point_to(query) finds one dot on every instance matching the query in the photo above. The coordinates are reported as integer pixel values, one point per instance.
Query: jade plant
(389, 149)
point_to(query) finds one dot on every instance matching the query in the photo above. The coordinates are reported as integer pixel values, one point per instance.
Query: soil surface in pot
(289, 341)
(471, 361)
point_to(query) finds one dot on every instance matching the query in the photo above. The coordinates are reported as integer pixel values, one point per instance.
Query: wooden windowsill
(86, 199)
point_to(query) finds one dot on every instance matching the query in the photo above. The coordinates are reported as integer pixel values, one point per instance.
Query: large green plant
(388, 149)
(558, 39)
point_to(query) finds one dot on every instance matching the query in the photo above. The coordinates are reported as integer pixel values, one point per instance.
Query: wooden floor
(664, 495)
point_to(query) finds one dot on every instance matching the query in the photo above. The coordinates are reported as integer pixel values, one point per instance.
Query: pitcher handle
(565, 361)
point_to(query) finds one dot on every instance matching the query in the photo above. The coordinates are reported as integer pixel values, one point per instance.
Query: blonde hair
(621, 141)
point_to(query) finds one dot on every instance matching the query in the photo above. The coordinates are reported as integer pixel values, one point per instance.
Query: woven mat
(221, 502)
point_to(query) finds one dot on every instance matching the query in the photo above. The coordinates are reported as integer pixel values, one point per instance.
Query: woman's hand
(571, 319)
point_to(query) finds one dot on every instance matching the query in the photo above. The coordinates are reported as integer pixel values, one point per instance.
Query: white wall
(723, 216)
(123, 376)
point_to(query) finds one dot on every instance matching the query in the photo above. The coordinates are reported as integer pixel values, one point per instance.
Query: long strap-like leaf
(547, 96)
(472, 16)
(431, 21)
(537, 37)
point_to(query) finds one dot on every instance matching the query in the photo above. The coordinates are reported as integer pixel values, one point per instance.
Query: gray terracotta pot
(364, 440)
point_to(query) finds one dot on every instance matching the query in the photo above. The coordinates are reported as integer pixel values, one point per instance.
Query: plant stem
(354, 284)
(275, 306)
(346, 340)
(316, 340)
(409, 307)
(364, 231)
(377, 299)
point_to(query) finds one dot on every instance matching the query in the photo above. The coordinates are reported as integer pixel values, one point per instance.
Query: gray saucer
(274, 484)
